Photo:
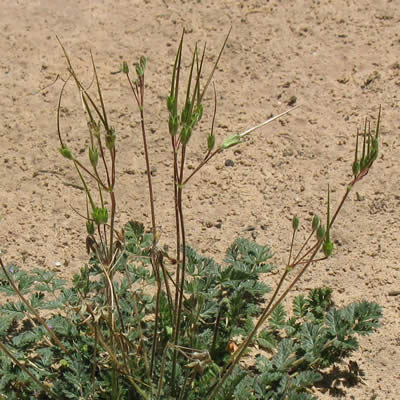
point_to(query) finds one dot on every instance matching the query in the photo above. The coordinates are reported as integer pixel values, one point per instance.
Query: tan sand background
(340, 59)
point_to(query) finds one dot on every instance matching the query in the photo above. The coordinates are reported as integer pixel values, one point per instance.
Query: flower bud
(169, 331)
(93, 156)
(110, 138)
(315, 222)
(186, 133)
(125, 68)
(211, 141)
(66, 152)
(375, 143)
(143, 62)
(320, 232)
(356, 168)
(90, 227)
(198, 112)
(173, 124)
(100, 215)
(186, 116)
(94, 128)
(141, 66)
(171, 104)
(363, 163)
(373, 154)
(328, 247)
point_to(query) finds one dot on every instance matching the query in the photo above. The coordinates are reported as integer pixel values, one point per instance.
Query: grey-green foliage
(219, 305)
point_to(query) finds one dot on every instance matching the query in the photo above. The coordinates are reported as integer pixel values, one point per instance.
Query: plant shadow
(338, 378)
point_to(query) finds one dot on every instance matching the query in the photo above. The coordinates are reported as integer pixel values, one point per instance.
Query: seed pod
(143, 62)
(100, 215)
(90, 227)
(210, 141)
(373, 155)
(173, 124)
(94, 128)
(315, 222)
(141, 66)
(320, 232)
(374, 149)
(110, 138)
(198, 112)
(186, 133)
(125, 68)
(328, 247)
(93, 156)
(231, 347)
(171, 104)
(186, 116)
(356, 168)
(363, 163)
(295, 223)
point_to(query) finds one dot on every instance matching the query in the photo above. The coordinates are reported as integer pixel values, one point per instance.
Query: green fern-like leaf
(267, 340)
(15, 310)
(300, 306)
(277, 319)
(137, 242)
(318, 301)
(285, 357)
(6, 322)
(306, 378)
(366, 316)
(294, 395)
(21, 279)
(249, 253)
(312, 340)
(27, 338)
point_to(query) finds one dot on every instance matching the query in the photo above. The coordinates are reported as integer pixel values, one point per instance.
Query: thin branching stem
(140, 103)
(291, 247)
(202, 164)
(142, 339)
(180, 287)
(26, 370)
(177, 227)
(99, 93)
(156, 318)
(226, 372)
(59, 109)
(271, 306)
(32, 310)
(162, 372)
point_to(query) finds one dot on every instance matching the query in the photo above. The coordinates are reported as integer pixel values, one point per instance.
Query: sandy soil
(340, 59)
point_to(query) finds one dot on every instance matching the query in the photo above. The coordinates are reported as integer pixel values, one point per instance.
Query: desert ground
(338, 60)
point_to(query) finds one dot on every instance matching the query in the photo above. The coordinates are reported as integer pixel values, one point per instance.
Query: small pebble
(292, 101)
(360, 197)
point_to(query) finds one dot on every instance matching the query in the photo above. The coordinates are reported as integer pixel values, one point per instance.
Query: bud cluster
(140, 66)
(370, 148)
(100, 215)
(110, 138)
(66, 152)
